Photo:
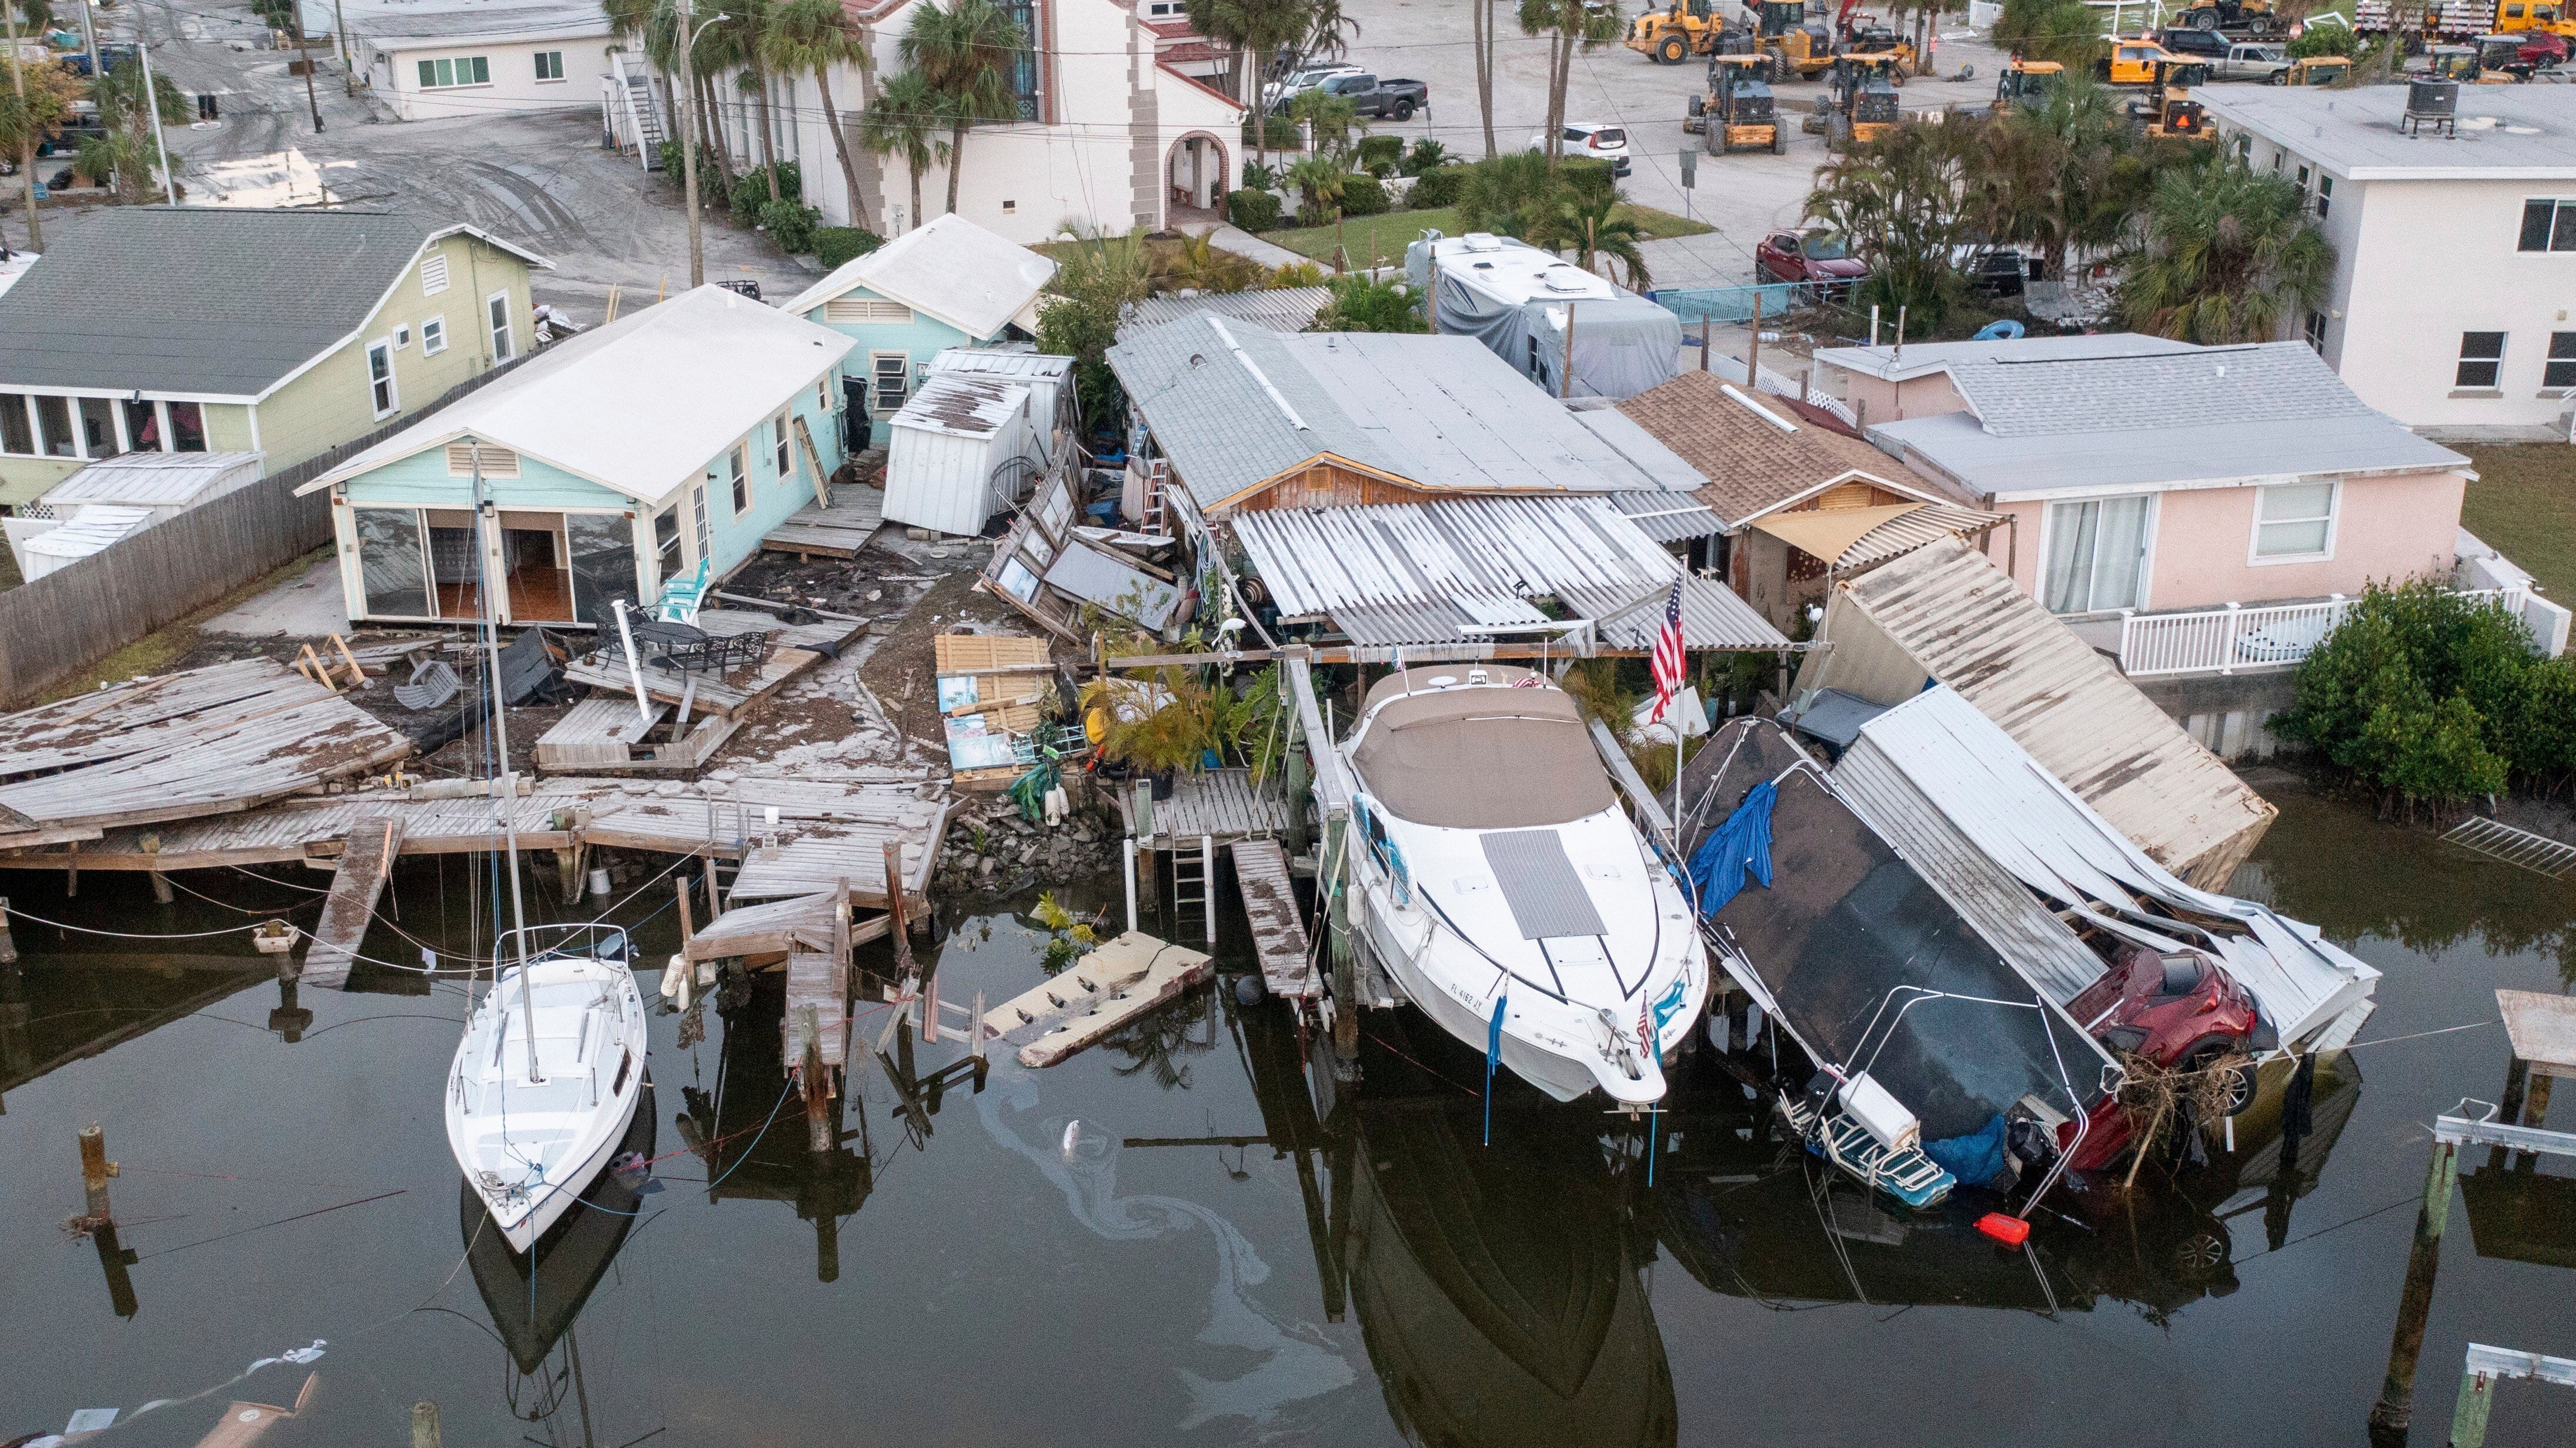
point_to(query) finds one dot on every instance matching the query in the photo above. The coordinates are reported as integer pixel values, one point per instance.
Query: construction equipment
(1877, 40)
(1689, 27)
(1740, 113)
(1863, 100)
(2318, 70)
(2523, 15)
(2025, 83)
(1795, 46)
(2167, 109)
(2249, 17)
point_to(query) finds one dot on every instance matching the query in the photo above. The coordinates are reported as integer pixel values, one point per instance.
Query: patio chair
(432, 684)
(682, 597)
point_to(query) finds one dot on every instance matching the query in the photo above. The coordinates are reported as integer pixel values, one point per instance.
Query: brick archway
(1197, 173)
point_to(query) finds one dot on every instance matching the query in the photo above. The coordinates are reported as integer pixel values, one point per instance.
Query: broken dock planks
(1112, 986)
(1278, 934)
(364, 862)
(777, 927)
(838, 531)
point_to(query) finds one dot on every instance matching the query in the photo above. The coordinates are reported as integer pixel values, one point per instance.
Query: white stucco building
(434, 59)
(1114, 132)
(2453, 307)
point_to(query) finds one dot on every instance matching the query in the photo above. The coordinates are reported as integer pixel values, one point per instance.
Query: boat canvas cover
(1438, 758)
(1848, 933)
(1964, 766)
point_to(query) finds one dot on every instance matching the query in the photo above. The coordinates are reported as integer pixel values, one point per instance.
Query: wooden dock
(796, 648)
(1278, 935)
(1112, 986)
(1223, 805)
(837, 531)
(177, 746)
(366, 858)
(815, 1026)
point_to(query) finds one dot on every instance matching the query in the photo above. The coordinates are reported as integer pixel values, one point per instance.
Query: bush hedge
(1435, 188)
(1362, 195)
(835, 245)
(1252, 210)
(791, 225)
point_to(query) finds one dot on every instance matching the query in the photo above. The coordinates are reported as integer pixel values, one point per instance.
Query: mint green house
(195, 329)
(948, 284)
(609, 466)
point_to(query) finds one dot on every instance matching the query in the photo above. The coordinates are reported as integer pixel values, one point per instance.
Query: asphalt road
(540, 179)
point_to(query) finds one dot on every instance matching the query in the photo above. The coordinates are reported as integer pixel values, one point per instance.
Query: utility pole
(688, 141)
(26, 159)
(306, 52)
(348, 67)
(89, 36)
(152, 103)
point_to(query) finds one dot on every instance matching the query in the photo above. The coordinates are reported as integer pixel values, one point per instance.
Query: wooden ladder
(1158, 476)
(1194, 884)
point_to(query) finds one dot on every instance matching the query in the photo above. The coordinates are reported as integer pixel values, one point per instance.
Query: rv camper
(1538, 311)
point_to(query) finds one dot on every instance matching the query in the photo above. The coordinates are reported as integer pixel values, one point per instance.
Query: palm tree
(1569, 25)
(905, 119)
(1200, 265)
(1319, 180)
(1585, 220)
(966, 53)
(1254, 30)
(745, 22)
(2226, 254)
(1505, 194)
(1901, 202)
(815, 35)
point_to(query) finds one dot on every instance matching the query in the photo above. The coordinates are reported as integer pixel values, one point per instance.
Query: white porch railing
(2224, 640)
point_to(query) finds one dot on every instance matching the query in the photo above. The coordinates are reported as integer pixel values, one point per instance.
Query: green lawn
(1380, 240)
(2524, 506)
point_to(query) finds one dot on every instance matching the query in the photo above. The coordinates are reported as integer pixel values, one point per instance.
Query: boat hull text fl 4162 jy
(532, 1129)
(1491, 866)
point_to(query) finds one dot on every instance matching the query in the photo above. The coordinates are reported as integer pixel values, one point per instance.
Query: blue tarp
(1977, 1158)
(1741, 844)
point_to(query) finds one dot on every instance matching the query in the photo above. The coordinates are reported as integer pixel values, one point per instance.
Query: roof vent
(1482, 241)
(1566, 279)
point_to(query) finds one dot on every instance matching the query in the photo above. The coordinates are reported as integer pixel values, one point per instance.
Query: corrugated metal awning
(1669, 517)
(1911, 530)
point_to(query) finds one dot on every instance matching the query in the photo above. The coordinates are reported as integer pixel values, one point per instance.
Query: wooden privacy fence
(54, 626)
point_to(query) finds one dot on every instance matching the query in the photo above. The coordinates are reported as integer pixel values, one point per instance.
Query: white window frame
(2461, 358)
(542, 57)
(501, 334)
(877, 402)
(2560, 205)
(736, 464)
(783, 447)
(433, 335)
(2146, 555)
(389, 382)
(402, 335)
(455, 65)
(2255, 557)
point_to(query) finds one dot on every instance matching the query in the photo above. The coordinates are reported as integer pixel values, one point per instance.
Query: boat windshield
(1483, 759)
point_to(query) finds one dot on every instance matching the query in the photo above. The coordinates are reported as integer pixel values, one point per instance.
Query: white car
(1601, 142)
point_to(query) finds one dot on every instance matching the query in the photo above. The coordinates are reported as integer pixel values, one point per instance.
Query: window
(666, 541)
(892, 371)
(2325, 195)
(143, 427)
(786, 459)
(433, 336)
(497, 307)
(447, 73)
(54, 427)
(601, 548)
(402, 335)
(550, 65)
(17, 425)
(823, 394)
(2293, 521)
(98, 427)
(2548, 226)
(2481, 359)
(1024, 62)
(392, 563)
(433, 274)
(698, 519)
(2561, 368)
(380, 378)
(2316, 331)
(2096, 555)
(187, 427)
(738, 472)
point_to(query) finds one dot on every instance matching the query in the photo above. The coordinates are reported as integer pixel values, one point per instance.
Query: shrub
(1259, 176)
(1278, 133)
(1362, 305)
(1252, 210)
(791, 225)
(1363, 196)
(835, 246)
(1296, 274)
(1376, 151)
(1435, 188)
(1427, 155)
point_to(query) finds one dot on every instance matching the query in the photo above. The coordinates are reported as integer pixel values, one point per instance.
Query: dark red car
(2542, 49)
(1816, 256)
(2181, 1010)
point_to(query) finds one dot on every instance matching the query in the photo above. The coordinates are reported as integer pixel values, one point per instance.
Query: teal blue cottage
(948, 284)
(614, 463)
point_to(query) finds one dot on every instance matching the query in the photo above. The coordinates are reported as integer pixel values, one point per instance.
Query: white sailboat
(551, 1066)
(1490, 865)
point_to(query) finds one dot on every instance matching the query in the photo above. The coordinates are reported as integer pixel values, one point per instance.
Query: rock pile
(990, 850)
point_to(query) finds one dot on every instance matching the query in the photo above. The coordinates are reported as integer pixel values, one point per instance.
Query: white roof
(951, 269)
(15, 266)
(963, 406)
(1903, 364)
(1517, 271)
(156, 480)
(1026, 362)
(637, 406)
(84, 535)
(2505, 132)
(401, 24)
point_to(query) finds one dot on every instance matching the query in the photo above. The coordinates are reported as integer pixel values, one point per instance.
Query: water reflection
(79, 1004)
(756, 1145)
(535, 1299)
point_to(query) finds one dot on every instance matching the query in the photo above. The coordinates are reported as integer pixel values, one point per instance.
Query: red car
(2180, 1010)
(2542, 49)
(1817, 256)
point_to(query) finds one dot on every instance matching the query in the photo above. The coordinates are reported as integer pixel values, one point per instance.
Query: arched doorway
(1195, 179)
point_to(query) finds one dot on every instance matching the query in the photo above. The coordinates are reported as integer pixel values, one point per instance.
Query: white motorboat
(547, 1078)
(1490, 863)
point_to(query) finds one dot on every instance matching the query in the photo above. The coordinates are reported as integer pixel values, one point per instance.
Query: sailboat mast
(508, 777)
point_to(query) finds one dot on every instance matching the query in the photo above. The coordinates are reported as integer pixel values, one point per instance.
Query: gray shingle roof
(2206, 387)
(1232, 405)
(200, 299)
(1281, 309)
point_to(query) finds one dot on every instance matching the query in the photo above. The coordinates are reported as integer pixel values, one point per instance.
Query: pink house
(2187, 509)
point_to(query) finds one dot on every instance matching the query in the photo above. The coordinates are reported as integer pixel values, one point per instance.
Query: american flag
(1666, 660)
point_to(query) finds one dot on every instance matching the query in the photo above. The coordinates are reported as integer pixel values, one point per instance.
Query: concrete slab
(307, 606)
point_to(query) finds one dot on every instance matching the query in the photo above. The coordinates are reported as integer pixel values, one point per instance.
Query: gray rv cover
(1622, 346)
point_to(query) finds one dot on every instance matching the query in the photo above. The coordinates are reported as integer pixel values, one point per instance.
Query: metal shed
(960, 451)
(1049, 379)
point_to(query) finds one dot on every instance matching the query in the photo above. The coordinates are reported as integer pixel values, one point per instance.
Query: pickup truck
(1370, 96)
(2269, 64)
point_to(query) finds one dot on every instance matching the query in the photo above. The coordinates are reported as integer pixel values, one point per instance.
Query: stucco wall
(1876, 400)
(395, 74)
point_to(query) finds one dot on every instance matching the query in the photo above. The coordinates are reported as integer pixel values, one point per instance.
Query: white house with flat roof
(2453, 306)
(431, 59)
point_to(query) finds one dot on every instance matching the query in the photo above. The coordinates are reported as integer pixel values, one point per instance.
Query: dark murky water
(1157, 1243)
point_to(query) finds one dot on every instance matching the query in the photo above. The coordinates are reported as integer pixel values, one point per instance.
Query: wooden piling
(95, 1170)
(688, 927)
(1298, 787)
(424, 1424)
(1346, 989)
(895, 910)
(2395, 1410)
(817, 1086)
(8, 943)
(567, 862)
(161, 893)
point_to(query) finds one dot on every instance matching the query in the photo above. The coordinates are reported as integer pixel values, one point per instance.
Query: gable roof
(2205, 386)
(637, 406)
(205, 300)
(1903, 364)
(948, 267)
(1755, 451)
(1233, 406)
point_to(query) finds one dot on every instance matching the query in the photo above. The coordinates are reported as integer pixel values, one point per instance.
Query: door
(2097, 555)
